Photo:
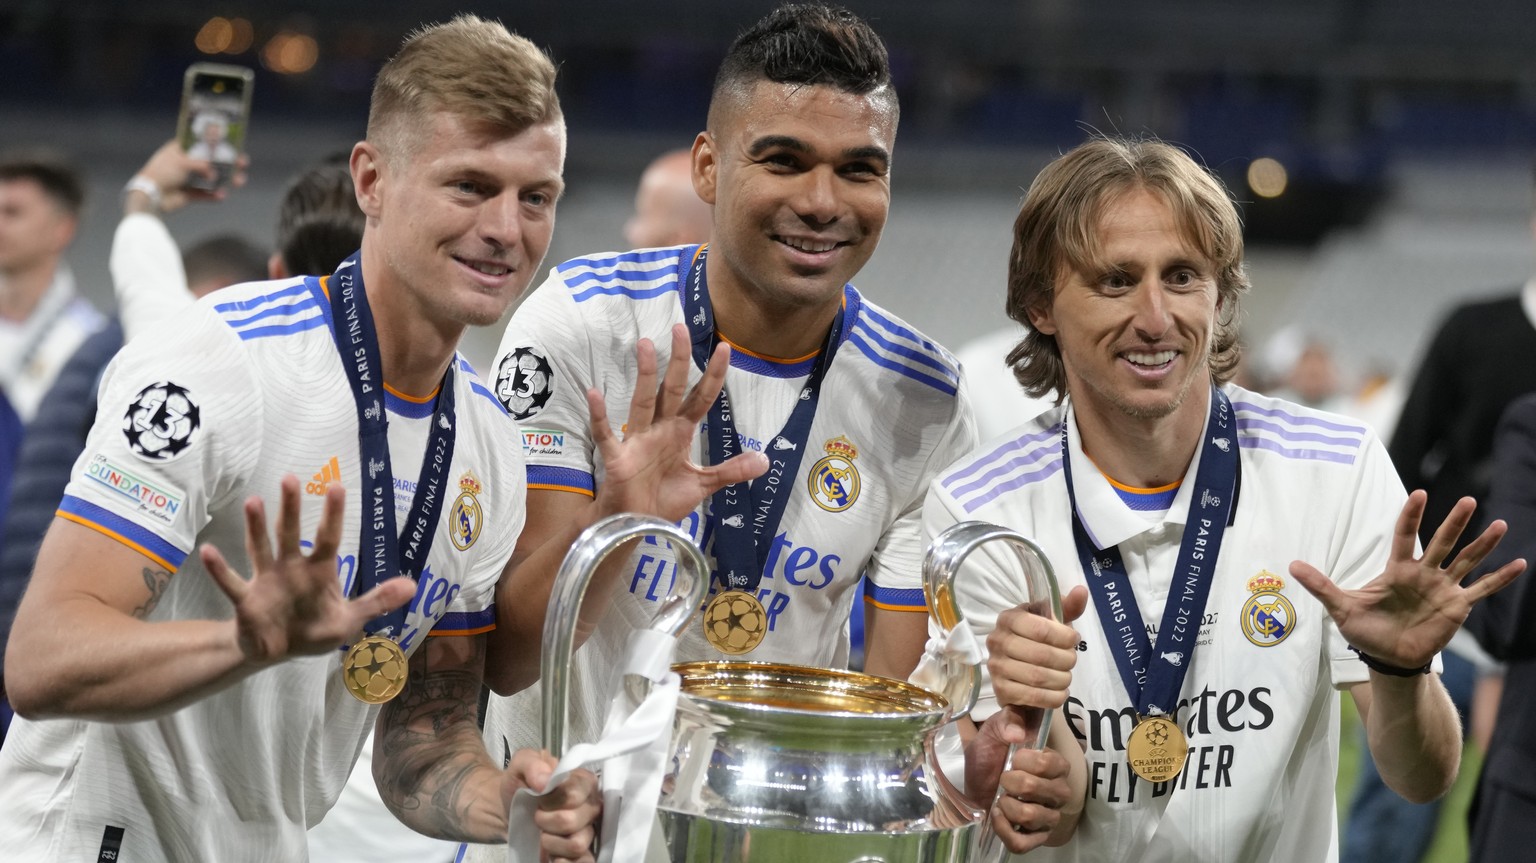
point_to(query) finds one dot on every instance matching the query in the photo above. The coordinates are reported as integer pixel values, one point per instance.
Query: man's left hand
(1409, 612)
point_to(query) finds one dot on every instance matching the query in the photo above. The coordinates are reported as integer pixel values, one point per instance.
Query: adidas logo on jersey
(324, 477)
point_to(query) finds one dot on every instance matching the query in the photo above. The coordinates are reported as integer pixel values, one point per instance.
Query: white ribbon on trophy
(947, 660)
(631, 756)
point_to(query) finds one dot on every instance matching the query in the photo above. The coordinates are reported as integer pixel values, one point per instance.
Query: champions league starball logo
(524, 383)
(161, 421)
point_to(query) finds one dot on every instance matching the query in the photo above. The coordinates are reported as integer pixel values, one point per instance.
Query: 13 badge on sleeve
(161, 422)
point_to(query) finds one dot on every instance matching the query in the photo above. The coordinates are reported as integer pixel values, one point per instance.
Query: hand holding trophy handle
(957, 656)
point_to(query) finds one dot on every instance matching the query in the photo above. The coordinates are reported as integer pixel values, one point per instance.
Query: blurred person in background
(1502, 818)
(1477, 363)
(43, 320)
(999, 399)
(668, 212)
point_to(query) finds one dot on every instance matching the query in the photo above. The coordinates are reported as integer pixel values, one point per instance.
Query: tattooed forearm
(156, 580)
(430, 762)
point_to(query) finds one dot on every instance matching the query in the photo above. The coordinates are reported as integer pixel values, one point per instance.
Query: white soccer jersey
(1259, 703)
(891, 413)
(215, 406)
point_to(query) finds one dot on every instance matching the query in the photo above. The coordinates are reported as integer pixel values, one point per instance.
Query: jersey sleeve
(543, 369)
(895, 573)
(172, 440)
(1364, 544)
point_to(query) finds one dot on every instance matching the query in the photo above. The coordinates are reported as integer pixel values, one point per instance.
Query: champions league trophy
(765, 762)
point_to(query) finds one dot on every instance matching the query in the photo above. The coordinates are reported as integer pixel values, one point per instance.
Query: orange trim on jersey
(1131, 488)
(779, 360)
(539, 486)
(1134, 490)
(415, 400)
(325, 286)
(889, 607)
(476, 631)
(69, 516)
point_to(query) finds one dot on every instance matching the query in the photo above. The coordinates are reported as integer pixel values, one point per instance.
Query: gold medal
(1157, 749)
(735, 622)
(374, 670)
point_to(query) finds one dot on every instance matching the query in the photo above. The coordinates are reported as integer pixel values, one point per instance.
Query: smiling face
(799, 176)
(462, 214)
(1135, 326)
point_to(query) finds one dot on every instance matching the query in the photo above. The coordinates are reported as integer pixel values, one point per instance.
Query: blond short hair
(1057, 227)
(469, 67)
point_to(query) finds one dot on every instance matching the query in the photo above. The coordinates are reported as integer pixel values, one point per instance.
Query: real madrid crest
(834, 480)
(1268, 617)
(466, 517)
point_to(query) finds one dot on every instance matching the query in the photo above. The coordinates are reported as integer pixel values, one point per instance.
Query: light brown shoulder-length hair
(469, 67)
(1056, 231)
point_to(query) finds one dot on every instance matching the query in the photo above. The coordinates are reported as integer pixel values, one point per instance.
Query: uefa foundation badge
(1268, 617)
(467, 516)
(834, 481)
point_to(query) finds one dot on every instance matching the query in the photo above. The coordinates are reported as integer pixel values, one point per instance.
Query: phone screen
(215, 110)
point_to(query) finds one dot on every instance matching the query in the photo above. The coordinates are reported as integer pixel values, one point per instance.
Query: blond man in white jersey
(795, 163)
(197, 713)
(1246, 558)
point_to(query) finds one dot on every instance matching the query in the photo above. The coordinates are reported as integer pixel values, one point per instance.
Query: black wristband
(1377, 665)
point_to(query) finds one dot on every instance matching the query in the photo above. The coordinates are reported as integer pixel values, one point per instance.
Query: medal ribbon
(382, 552)
(739, 553)
(1153, 677)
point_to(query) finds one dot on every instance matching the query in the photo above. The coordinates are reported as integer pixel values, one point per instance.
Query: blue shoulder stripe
(251, 304)
(564, 478)
(477, 387)
(127, 532)
(947, 371)
(885, 362)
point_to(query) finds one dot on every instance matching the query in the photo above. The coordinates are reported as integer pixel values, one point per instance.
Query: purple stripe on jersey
(885, 362)
(565, 477)
(1288, 434)
(254, 303)
(1017, 482)
(991, 458)
(602, 262)
(128, 532)
(619, 277)
(1011, 465)
(281, 329)
(1296, 419)
(863, 326)
(1249, 442)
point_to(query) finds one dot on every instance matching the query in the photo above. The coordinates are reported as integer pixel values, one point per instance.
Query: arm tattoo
(156, 580)
(429, 745)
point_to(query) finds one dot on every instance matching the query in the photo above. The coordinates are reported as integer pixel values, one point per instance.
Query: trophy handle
(940, 566)
(588, 551)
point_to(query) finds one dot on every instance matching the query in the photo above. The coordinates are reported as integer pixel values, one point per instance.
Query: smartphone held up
(215, 111)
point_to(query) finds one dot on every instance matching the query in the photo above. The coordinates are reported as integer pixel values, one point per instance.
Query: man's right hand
(292, 605)
(1030, 656)
(170, 168)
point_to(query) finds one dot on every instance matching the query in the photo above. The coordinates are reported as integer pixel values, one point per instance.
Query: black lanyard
(1153, 678)
(745, 516)
(383, 553)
